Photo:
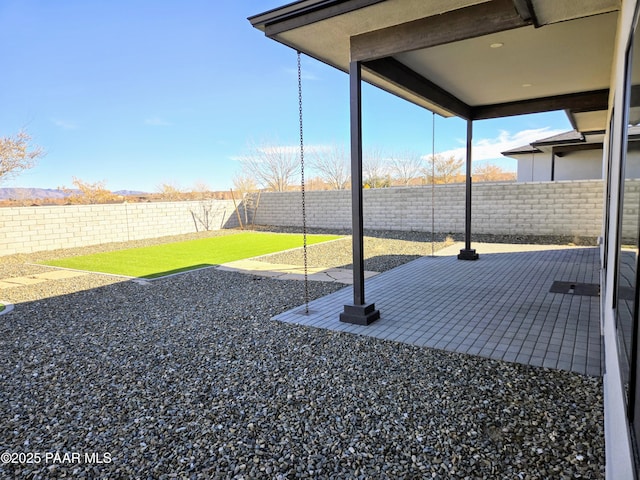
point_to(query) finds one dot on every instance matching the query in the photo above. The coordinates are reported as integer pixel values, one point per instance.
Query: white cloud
(65, 125)
(156, 122)
(288, 149)
(492, 148)
(283, 149)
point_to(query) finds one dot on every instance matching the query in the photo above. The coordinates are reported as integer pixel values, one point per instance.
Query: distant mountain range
(8, 193)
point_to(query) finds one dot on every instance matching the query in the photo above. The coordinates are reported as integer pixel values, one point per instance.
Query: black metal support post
(468, 253)
(360, 313)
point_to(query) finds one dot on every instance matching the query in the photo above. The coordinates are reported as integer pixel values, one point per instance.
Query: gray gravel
(384, 250)
(187, 377)
(380, 254)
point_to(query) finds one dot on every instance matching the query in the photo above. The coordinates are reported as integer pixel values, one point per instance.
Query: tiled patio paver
(498, 307)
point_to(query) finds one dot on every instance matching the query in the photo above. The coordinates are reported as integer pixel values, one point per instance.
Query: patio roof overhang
(476, 59)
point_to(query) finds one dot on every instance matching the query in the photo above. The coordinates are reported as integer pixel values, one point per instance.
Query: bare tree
(406, 166)
(170, 191)
(16, 156)
(201, 191)
(244, 184)
(490, 172)
(203, 213)
(443, 170)
(273, 166)
(374, 170)
(90, 193)
(333, 165)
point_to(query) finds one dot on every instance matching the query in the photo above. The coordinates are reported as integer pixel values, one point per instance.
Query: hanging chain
(302, 189)
(433, 181)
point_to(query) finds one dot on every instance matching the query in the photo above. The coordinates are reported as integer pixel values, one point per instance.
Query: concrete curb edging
(8, 307)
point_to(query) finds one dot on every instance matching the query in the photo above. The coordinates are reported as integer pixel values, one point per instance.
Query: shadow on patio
(498, 307)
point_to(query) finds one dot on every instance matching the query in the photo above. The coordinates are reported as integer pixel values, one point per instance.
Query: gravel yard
(382, 252)
(187, 377)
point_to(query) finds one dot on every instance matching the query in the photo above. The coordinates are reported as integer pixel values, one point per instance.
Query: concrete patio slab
(498, 307)
(484, 248)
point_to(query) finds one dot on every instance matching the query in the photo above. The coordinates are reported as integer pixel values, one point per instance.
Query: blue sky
(144, 92)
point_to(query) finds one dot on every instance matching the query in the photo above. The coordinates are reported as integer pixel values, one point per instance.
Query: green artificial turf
(159, 260)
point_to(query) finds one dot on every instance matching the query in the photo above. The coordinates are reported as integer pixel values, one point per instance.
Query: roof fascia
(300, 14)
(260, 19)
(581, 141)
(461, 24)
(561, 142)
(516, 151)
(572, 136)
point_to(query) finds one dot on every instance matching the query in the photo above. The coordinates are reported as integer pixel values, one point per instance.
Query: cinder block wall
(630, 211)
(566, 208)
(30, 229)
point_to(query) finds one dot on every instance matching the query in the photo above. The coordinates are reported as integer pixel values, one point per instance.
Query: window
(628, 241)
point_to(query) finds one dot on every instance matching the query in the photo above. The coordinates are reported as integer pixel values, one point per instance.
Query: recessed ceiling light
(526, 85)
(497, 45)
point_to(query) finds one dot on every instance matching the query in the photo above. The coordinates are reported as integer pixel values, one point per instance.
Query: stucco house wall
(534, 167)
(583, 165)
(579, 165)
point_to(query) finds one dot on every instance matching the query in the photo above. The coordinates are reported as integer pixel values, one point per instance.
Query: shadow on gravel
(382, 263)
(442, 236)
(384, 234)
(190, 268)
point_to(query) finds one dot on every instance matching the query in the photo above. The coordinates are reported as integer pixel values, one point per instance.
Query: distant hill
(8, 193)
(31, 193)
(130, 192)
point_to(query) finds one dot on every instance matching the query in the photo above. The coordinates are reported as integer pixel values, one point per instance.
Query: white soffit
(590, 121)
(595, 138)
(531, 63)
(329, 40)
(552, 11)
